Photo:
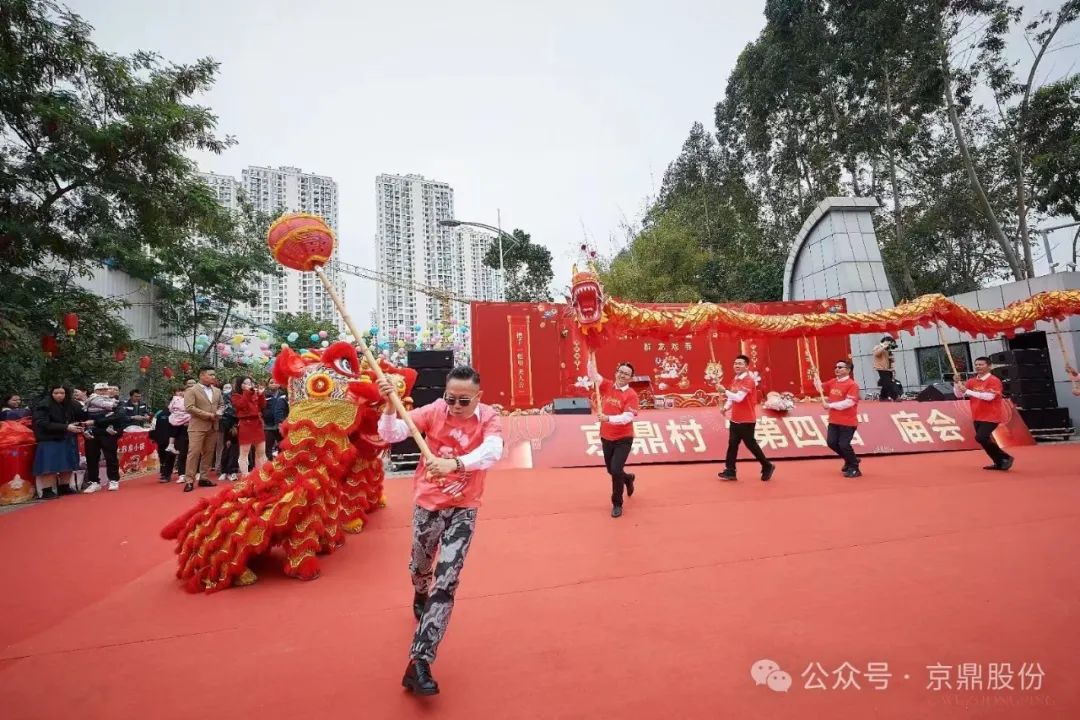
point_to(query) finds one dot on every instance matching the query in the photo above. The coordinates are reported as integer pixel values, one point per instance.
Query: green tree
(94, 168)
(528, 267)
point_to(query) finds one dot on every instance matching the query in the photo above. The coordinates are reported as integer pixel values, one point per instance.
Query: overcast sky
(563, 114)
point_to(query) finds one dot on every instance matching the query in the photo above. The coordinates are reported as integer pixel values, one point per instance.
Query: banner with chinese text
(701, 435)
(520, 362)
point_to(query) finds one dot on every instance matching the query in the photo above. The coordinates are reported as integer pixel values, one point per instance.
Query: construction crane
(445, 297)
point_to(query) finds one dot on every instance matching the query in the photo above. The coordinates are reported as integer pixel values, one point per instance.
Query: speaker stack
(571, 406)
(1028, 380)
(432, 367)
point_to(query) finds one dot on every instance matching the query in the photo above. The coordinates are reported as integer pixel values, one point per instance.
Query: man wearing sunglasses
(466, 437)
(841, 399)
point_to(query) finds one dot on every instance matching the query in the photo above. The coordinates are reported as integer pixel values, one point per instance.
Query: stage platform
(925, 564)
(700, 434)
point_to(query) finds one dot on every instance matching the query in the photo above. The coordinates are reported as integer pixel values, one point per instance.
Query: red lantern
(167, 372)
(49, 345)
(120, 355)
(71, 323)
(185, 367)
(300, 241)
(144, 364)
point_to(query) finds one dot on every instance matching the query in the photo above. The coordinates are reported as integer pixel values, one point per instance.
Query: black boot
(767, 471)
(616, 511)
(418, 679)
(629, 484)
(419, 602)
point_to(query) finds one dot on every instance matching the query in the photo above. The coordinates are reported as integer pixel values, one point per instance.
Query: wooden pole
(596, 385)
(1065, 356)
(813, 367)
(393, 397)
(948, 352)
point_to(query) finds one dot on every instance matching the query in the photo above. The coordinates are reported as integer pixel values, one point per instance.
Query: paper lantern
(49, 345)
(120, 355)
(71, 323)
(167, 372)
(300, 241)
(144, 364)
(185, 367)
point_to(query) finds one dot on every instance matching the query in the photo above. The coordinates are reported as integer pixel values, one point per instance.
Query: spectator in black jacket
(57, 421)
(275, 413)
(102, 438)
(137, 411)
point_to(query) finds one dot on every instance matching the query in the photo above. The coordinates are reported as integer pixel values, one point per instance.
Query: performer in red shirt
(618, 408)
(987, 410)
(742, 401)
(841, 399)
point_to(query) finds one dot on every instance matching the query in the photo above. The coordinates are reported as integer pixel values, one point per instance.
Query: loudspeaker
(419, 359)
(431, 377)
(407, 446)
(936, 392)
(1023, 372)
(571, 406)
(422, 396)
(1035, 401)
(1021, 356)
(1021, 386)
(1047, 419)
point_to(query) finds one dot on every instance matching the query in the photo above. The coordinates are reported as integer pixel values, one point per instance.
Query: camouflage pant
(450, 531)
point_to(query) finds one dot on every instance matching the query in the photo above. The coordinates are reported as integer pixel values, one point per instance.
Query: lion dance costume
(326, 478)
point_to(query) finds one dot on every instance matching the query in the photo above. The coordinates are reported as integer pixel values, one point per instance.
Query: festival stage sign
(701, 434)
(528, 354)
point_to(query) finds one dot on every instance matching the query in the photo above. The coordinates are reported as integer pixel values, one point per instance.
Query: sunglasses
(462, 401)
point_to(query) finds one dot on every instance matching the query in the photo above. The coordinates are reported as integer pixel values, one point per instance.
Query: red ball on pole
(301, 241)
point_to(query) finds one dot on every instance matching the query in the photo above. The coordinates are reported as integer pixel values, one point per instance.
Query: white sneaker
(114, 485)
(181, 480)
(91, 488)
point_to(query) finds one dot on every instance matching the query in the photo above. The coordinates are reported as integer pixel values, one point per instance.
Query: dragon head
(587, 299)
(332, 389)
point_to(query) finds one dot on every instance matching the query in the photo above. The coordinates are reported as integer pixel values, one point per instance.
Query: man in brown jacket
(204, 403)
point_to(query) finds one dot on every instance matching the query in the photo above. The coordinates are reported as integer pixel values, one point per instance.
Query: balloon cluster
(247, 349)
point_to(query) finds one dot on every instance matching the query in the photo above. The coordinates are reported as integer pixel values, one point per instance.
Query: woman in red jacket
(618, 408)
(248, 401)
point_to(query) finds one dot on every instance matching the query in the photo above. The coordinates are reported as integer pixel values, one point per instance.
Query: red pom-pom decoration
(300, 241)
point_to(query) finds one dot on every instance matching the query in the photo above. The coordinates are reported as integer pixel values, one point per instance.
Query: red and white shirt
(476, 440)
(742, 399)
(985, 394)
(621, 407)
(842, 397)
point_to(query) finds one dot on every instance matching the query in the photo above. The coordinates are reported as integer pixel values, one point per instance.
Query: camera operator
(883, 363)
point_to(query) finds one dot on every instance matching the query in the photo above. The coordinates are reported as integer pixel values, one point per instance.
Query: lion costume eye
(344, 366)
(319, 385)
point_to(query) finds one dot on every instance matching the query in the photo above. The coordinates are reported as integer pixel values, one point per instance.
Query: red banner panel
(700, 434)
(528, 354)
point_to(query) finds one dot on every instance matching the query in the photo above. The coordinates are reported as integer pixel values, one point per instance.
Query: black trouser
(984, 435)
(839, 441)
(615, 454)
(179, 458)
(230, 456)
(744, 433)
(887, 382)
(102, 444)
(273, 438)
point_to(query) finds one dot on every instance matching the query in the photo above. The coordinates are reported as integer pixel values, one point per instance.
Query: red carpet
(564, 612)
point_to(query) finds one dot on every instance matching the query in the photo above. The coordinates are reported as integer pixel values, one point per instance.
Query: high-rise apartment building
(415, 253)
(274, 191)
(479, 282)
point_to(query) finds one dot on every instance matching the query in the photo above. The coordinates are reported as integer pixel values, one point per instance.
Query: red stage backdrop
(700, 434)
(528, 354)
